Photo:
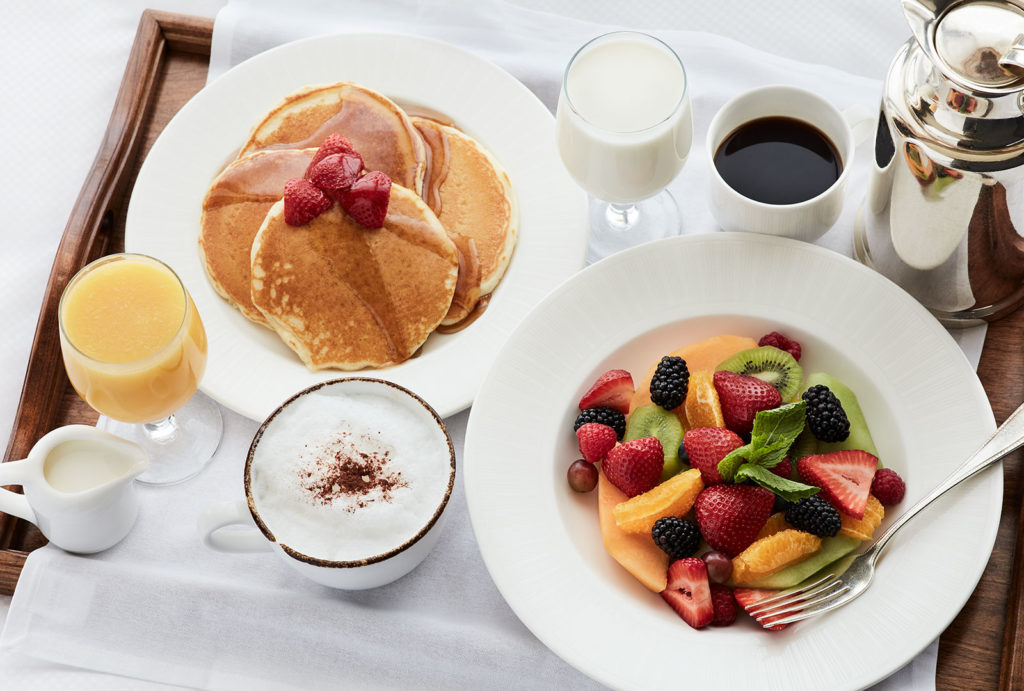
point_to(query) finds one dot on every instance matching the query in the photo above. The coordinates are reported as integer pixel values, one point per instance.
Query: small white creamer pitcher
(79, 487)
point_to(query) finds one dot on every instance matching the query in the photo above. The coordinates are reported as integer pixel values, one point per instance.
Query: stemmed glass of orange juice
(134, 349)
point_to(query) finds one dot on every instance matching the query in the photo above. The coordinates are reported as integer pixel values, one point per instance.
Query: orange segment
(776, 524)
(674, 497)
(636, 553)
(863, 528)
(703, 355)
(773, 553)
(702, 406)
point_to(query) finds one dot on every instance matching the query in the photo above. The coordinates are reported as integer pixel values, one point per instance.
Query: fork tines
(797, 603)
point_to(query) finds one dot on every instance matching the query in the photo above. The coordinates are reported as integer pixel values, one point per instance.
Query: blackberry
(814, 515)
(670, 381)
(603, 416)
(677, 537)
(825, 415)
(683, 456)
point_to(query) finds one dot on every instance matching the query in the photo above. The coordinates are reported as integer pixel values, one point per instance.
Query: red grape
(583, 477)
(719, 566)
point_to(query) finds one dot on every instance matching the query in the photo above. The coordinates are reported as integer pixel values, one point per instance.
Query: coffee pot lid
(981, 43)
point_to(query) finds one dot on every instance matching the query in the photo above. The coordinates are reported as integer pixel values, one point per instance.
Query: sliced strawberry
(334, 144)
(595, 441)
(742, 398)
(706, 447)
(748, 597)
(303, 201)
(844, 477)
(730, 516)
(688, 592)
(613, 389)
(336, 172)
(366, 201)
(635, 466)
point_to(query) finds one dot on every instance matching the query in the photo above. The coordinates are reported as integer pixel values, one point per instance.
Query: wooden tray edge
(86, 236)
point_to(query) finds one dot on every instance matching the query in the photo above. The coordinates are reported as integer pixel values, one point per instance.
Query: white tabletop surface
(63, 62)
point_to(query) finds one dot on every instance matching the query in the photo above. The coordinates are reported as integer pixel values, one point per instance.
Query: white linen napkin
(160, 607)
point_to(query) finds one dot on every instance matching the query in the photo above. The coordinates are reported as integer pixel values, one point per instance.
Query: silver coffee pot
(946, 197)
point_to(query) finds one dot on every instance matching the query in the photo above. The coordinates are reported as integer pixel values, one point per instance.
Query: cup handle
(231, 513)
(12, 503)
(861, 121)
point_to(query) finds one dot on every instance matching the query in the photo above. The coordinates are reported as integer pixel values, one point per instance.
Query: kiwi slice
(860, 436)
(654, 421)
(770, 364)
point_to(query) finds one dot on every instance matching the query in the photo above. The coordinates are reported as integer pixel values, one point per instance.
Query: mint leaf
(787, 489)
(773, 433)
(784, 422)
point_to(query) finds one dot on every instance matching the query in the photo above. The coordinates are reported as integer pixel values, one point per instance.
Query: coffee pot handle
(219, 516)
(12, 503)
(861, 122)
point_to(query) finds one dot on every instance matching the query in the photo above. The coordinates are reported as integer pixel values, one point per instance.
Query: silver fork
(831, 589)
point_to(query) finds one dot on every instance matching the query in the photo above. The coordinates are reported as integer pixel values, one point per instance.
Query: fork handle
(1007, 439)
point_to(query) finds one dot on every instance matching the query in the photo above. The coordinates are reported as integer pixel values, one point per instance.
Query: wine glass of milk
(624, 130)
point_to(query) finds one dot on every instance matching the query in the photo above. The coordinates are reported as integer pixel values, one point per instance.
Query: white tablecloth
(69, 60)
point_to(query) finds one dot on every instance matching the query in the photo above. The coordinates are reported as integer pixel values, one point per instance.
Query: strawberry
(336, 172)
(742, 398)
(613, 389)
(844, 477)
(635, 467)
(748, 597)
(595, 441)
(888, 487)
(724, 604)
(706, 446)
(687, 592)
(784, 469)
(366, 201)
(782, 343)
(334, 144)
(730, 516)
(303, 201)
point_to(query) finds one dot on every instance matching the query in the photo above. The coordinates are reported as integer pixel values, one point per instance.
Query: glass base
(615, 227)
(179, 446)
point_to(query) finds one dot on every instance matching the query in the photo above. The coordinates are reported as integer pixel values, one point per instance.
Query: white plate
(924, 405)
(250, 370)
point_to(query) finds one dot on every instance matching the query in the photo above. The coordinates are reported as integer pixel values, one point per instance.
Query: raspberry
(888, 487)
(595, 441)
(814, 515)
(724, 604)
(677, 537)
(779, 341)
(825, 415)
(670, 382)
(602, 416)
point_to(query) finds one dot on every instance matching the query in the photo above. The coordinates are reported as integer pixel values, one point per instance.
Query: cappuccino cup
(804, 218)
(347, 481)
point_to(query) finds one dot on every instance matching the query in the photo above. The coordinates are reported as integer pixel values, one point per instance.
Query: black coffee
(778, 160)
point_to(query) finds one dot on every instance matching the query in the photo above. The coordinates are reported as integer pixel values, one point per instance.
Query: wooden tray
(167, 66)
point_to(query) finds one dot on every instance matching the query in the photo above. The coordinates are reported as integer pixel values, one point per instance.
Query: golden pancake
(346, 297)
(472, 196)
(233, 211)
(379, 130)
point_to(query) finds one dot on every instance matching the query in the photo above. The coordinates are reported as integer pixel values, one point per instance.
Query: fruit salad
(726, 473)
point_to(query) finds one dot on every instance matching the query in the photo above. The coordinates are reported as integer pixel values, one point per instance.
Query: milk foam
(295, 483)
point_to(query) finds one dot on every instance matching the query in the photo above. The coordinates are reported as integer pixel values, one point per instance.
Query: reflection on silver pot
(946, 197)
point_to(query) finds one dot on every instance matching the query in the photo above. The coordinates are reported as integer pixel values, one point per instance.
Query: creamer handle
(219, 516)
(861, 121)
(12, 503)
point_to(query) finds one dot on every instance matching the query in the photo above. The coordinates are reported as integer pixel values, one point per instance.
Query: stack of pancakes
(340, 295)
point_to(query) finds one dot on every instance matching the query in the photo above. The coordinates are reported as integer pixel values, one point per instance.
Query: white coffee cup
(807, 220)
(261, 518)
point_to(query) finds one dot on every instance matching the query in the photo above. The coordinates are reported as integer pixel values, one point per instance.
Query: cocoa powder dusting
(345, 471)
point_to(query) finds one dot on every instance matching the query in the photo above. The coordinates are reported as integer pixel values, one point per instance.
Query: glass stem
(162, 431)
(621, 216)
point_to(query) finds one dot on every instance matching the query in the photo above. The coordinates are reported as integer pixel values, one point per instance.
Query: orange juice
(133, 344)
